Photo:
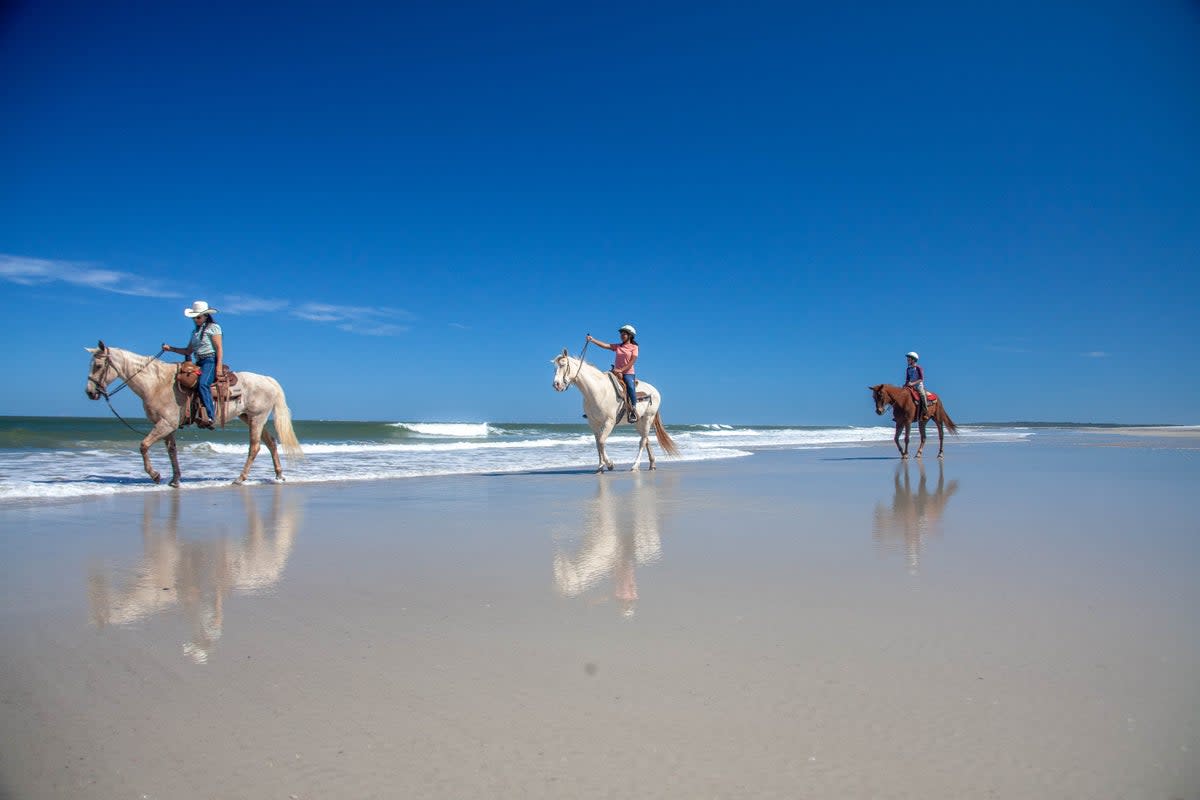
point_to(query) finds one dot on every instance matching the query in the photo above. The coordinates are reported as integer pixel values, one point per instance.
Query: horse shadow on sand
(193, 575)
(620, 533)
(915, 515)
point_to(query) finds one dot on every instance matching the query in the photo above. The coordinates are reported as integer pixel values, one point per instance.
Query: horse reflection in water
(620, 533)
(195, 575)
(914, 515)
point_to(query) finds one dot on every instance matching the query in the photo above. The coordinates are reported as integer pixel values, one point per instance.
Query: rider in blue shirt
(914, 377)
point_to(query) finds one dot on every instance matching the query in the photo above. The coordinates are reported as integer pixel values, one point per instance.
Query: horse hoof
(652, 467)
(156, 478)
(238, 481)
(280, 479)
(174, 484)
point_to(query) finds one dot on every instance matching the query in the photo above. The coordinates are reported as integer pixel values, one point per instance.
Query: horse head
(100, 373)
(881, 399)
(562, 367)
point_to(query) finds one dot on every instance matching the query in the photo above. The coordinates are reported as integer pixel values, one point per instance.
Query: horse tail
(664, 440)
(283, 427)
(950, 426)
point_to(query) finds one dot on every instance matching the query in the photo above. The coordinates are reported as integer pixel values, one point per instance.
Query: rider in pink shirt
(626, 356)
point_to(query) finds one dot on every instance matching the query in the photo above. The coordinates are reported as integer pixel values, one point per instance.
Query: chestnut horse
(905, 412)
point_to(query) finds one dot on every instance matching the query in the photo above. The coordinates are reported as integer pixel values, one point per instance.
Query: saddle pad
(933, 398)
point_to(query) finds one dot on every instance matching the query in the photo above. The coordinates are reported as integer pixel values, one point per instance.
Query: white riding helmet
(913, 356)
(632, 330)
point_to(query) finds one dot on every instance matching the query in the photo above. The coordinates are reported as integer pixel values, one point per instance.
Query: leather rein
(103, 392)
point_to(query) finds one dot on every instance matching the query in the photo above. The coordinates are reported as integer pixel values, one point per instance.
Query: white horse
(165, 403)
(601, 407)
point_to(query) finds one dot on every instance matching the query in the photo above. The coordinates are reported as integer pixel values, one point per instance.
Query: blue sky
(405, 210)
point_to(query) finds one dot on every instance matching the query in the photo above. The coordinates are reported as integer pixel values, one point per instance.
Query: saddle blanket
(933, 398)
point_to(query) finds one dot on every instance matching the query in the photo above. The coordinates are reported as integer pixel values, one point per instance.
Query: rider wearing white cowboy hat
(626, 356)
(914, 377)
(207, 346)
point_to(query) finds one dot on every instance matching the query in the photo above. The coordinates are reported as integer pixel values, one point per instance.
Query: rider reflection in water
(626, 356)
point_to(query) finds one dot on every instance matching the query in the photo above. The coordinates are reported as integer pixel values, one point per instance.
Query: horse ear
(100, 346)
(564, 351)
(91, 350)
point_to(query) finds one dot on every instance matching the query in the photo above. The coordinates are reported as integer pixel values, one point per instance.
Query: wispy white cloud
(27, 271)
(1095, 354)
(365, 320)
(460, 326)
(237, 304)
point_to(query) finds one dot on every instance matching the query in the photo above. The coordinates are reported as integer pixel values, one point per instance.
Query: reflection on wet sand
(913, 515)
(620, 532)
(195, 576)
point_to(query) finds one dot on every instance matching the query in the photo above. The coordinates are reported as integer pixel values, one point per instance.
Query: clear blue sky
(405, 210)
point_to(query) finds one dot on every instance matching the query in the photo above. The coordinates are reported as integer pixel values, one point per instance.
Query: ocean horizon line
(673, 423)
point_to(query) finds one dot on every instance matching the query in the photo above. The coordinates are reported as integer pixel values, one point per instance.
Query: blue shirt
(914, 373)
(201, 343)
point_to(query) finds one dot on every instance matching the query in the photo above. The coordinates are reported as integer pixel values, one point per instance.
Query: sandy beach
(1017, 622)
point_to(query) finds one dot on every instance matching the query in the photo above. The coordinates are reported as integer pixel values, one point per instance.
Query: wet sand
(1018, 622)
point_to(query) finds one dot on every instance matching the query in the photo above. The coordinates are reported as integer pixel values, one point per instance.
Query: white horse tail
(283, 426)
(664, 441)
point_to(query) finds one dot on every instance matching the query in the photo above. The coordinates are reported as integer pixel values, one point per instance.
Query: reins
(586, 342)
(124, 382)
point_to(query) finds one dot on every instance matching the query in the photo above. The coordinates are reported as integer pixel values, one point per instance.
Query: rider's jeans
(631, 387)
(208, 373)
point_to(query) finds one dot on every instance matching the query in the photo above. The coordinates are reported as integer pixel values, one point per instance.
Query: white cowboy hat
(199, 307)
(632, 330)
(913, 356)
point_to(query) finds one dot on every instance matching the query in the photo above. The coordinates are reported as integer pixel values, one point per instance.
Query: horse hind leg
(269, 441)
(921, 446)
(940, 437)
(161, 430)
(638, 459)
(256, 431)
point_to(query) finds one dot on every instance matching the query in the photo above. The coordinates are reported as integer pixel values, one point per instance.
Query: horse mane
(136, 362)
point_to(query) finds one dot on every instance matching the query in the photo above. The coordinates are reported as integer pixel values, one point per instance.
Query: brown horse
(905, 412)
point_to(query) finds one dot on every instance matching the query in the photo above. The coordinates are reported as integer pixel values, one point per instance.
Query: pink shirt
(625, 355)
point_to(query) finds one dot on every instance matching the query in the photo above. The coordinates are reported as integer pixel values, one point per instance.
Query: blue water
(66, 457)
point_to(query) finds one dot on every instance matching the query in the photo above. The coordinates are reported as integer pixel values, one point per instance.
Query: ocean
(49, 458)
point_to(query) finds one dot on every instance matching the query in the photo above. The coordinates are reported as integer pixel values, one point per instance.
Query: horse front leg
(921, 446)
(161, 430)
(601, 450)
(173, 452)
(903, 450)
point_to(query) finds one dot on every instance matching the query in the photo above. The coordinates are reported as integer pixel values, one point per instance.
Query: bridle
(101, 388)
(567, 367)
(882, 401)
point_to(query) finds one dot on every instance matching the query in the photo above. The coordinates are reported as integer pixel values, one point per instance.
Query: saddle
(224, 389)
(619, 384)
(916, 396)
